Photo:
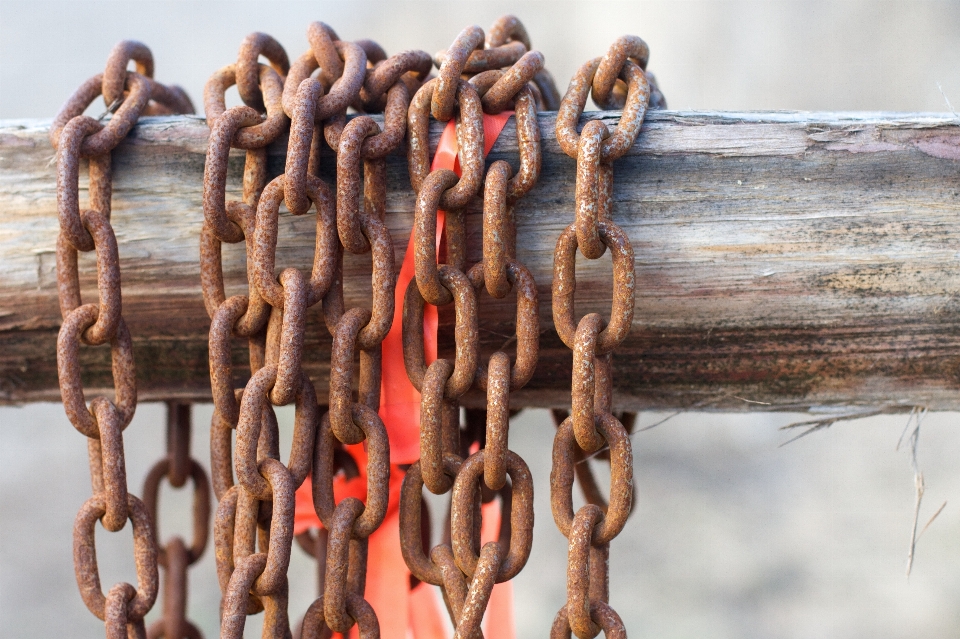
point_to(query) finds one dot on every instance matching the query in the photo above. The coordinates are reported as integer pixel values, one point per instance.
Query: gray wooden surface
(791, 259)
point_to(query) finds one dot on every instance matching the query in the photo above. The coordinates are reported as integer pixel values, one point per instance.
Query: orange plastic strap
(399, 609)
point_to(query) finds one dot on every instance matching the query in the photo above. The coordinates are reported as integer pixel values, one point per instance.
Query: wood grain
(794, 259)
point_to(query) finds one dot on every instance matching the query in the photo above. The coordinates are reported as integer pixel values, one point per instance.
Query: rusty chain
(617, 80)
(385, 83)
(253, 530)
(316, 111)
(473, 79)
(175, 556)
(128, 95)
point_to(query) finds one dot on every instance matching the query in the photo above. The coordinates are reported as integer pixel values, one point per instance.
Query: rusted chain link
(472, 80)
(617, 80)
(591, 490)
(130, 94)
(479, 75)
(174, 555)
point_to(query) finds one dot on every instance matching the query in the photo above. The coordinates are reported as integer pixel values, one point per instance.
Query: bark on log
(793, 260)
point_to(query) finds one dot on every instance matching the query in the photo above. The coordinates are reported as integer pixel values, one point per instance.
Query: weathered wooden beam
(789, 259)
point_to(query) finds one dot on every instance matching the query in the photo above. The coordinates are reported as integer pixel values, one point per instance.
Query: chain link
(618, 81)
(75, 136)
(479, 76)
(473, 80)
(174, 555)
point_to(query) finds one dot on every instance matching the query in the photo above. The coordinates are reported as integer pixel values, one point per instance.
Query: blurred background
(735, 535)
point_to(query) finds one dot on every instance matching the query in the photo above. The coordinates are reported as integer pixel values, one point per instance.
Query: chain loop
(453, 194)
(115, 75)
(466, 333)
(445, 97)
(201, 506)
(249, 428)
(265, 242)
(527, 322)
(411, 498)
(250, 73)
(464, 507)
(605, 92)
(628, 128)
(386, 74)
(145, 554)
(564, 286)
(378, 474)
(338, 96)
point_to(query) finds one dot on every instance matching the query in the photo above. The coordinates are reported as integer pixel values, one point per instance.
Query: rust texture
(591, 426)
(471, 460)
(75, 136)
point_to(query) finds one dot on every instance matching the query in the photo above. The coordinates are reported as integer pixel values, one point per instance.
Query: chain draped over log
(618, 79)
(128, 95)
(479, 76)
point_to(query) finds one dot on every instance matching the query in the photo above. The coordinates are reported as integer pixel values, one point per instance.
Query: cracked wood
(794, 259)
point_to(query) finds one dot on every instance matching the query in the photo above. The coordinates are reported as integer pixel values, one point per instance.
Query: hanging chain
(617, 81)
(357, 332)
(501, 75)
(254, 523)
(477, 77)
(175, 556)
(316, 108)
(128, 95)
(244, 316)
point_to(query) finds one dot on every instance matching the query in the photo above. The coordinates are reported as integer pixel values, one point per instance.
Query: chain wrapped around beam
(481, 81)
(128, 95)
(386, 86)
(473, 80)
(617, 80)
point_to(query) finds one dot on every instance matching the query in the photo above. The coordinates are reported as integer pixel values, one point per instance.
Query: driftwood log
(784, 261)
